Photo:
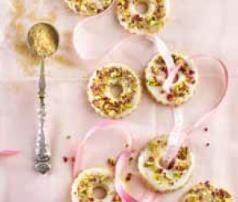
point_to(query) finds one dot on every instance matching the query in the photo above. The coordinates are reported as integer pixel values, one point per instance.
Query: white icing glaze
(151, 9)
(158, 92)
(107, 184)
(171, 182)
(136, 97)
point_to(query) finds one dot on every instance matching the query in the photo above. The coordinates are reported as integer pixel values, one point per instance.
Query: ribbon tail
(122, 160)
(8, 153)
(224, 92)
(120, 186)
(176, 136)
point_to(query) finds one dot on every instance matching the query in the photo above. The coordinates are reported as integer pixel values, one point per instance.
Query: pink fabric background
(194, 27)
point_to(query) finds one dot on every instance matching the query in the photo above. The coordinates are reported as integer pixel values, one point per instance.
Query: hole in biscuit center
(142, 7)
(99, 192)
(116, 90)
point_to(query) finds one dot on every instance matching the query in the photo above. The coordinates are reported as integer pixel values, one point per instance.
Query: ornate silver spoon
(43, 41)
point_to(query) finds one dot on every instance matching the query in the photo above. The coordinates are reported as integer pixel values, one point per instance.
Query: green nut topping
(88, 7)
(160, 176)
(182, 87)
(150, 21)
(114, 90)
(205, 192)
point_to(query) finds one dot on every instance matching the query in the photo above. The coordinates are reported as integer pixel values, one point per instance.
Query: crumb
(208, 144)
(207, 183)
(68, 137)
(111, 162)
(171, 164)
(131, 159)
(128, 177)
(206, 129)
(65, 159)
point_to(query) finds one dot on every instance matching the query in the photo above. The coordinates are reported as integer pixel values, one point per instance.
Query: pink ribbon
(103, 124)
(119, 184)
(122, 35)
(178, 135)
(120, 165)
(121, 161)
(169, 62)
(80, 42)
(8, 153)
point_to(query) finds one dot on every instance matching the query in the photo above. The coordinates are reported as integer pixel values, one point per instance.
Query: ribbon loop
(120, 187)
(174, 137)
(177, 135)
(86, 35)
(103, 124)
(224, 68)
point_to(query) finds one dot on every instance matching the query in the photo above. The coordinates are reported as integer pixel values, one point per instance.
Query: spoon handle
(42, 150)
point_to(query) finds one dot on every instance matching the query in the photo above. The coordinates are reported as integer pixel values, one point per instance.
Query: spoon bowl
(43, 40)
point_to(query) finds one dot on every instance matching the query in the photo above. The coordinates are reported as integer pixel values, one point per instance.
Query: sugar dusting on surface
(21, 19)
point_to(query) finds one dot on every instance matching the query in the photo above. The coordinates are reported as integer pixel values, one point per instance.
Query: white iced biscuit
(147, 20)
(183, 86)
(114, 91)
(88, 7)
(94, 185)
(150, 164)
(205, 192)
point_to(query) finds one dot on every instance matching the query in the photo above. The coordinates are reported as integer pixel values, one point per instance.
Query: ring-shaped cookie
(150, 19)
(94, 185)
(114, 91)
(205, 192)
(160, 178)
(183, 86)
(88, 7)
